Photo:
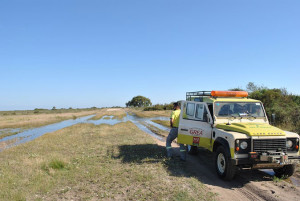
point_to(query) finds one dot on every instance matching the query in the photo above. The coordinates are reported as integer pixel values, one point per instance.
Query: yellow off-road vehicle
(237, 130)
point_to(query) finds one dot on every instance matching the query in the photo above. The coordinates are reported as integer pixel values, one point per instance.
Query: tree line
(280, 102)
(141, 101)
(284, 105)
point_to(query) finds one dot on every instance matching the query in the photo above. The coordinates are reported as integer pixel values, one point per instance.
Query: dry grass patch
(148, 114)
(37, 120)
(88, 162)
(8, 133)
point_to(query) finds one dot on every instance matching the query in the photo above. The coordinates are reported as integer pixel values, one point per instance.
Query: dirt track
(247, 185)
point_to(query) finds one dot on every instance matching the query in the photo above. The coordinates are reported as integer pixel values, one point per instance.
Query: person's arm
(172, 119)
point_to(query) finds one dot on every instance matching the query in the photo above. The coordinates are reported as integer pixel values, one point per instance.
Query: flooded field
(31, 134)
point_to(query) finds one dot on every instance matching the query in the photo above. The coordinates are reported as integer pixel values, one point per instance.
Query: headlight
(244, 145)
(289, 143)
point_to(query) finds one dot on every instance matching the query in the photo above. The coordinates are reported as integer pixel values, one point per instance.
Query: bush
(285, 106)
(159, 107)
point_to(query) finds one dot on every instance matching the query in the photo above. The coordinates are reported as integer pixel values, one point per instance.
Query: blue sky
(71, 53)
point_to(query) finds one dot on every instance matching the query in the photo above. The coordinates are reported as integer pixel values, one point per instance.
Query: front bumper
(267, 161)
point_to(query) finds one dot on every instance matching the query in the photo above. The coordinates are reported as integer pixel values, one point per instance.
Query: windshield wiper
(252, 116)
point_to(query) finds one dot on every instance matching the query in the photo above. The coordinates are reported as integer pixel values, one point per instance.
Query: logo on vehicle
(196, 140)
(196, 131)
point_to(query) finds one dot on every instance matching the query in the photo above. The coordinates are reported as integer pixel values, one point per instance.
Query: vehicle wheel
(224, 167)
(192, 150)
(286, 171)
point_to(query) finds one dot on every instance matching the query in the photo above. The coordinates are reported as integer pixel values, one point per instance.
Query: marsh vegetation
(162, 122)
(30, 119)
(12, 123)
(141, 113)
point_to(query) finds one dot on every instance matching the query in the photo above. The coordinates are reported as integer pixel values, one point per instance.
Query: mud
(247, 185)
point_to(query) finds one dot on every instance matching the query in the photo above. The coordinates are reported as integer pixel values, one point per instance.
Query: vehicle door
(195, 124)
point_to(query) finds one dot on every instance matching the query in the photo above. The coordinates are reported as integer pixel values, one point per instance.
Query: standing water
(32, 134)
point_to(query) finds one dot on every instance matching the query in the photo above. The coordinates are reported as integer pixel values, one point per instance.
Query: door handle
(183, 129)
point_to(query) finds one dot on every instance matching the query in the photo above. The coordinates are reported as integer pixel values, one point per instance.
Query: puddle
(138, 122)
(268, 171)
(295, 181)
(31, 134)
(107, 120)
(161, 127)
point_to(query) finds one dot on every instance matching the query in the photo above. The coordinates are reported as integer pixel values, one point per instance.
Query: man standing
(174, 122)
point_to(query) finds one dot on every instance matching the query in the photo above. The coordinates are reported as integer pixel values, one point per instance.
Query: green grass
(88, 162)
(278, 179)
(57, 164)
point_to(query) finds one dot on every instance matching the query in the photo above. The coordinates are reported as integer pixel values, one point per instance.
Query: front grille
(269, 145)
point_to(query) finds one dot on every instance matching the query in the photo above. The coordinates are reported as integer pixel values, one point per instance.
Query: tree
(251, 87)
(139, 101)
(236, 89)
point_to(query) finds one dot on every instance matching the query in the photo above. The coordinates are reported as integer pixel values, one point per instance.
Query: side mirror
(273, 119)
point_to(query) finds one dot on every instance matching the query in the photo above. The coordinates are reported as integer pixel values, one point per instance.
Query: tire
(286, 171)
(192, 150)
(225, 168)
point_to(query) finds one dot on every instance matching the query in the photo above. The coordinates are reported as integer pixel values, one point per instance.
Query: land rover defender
(236, 129)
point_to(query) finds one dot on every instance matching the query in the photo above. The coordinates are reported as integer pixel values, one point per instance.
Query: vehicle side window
(201, 113)
(193, 111)
(189, 111)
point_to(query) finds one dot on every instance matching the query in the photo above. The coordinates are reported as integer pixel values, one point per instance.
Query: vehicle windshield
(239, 109)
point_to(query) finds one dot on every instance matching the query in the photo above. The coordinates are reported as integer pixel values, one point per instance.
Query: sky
(102, 53)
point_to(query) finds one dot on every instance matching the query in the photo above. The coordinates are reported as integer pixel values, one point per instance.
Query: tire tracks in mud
(247, 185)
(226, 190)
(253, 193)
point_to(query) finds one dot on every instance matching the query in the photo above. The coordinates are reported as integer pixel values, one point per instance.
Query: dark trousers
(172, 136)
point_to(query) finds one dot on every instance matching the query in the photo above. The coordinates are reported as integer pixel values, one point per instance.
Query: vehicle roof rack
(198, 94)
